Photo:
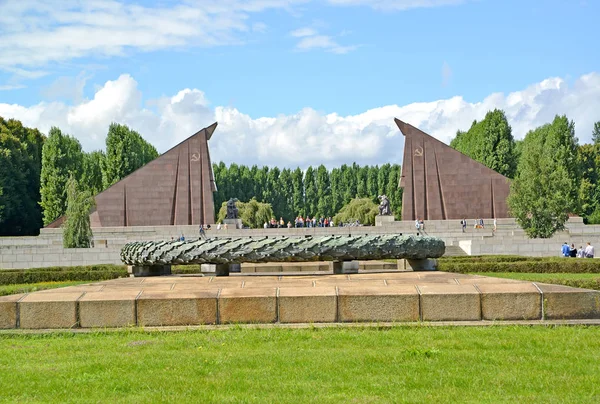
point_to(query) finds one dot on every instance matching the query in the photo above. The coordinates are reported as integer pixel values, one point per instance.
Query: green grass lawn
(32, 287)
(398, 364)
(537, 277)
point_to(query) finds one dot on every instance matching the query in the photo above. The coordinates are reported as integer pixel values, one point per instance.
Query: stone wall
(46, 249)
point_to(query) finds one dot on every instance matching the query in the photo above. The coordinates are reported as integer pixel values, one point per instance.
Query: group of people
(571, 251)
(479, 224)
(314, 222)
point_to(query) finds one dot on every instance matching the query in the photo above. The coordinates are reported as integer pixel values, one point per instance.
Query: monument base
(149, 270)
(219, 269)
(384, 220)
(417, 265)
(345, 267)
(233, 223)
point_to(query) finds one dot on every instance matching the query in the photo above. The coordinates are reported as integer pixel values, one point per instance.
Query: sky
(297, 82)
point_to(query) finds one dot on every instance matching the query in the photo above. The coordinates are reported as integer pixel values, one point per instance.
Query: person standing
(573, 251)
(589, 251)
(565, 249)
(463, 223)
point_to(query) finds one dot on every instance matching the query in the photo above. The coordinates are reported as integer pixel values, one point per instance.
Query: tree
(91, 176)
(362, 209)
(394, 192)
(253, 213)
(61, 158)
(126, 151)
(20, 166)
(545, 189)
(596, 133)
(382, 178)
(323, 192)
(362, 175)
(490, 142)
(337, 195)
(587, 157)
(273, 194)
(372, 183)
(286, 189)
(348, 182)
(298, 192)
(77, 232)
(310, 192)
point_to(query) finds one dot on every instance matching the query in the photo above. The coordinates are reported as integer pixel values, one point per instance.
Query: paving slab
(564, 302)
(449, 302)
(513, 301)
(8, 310)
(177, 308)
(307, 304)
(383, 303)
(252, 305)
(49, 310)
(108, 309)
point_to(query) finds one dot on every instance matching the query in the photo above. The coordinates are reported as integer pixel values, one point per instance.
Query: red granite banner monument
(174, 189)
(441, 183)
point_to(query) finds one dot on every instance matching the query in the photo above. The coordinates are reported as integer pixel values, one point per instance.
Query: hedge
(186, 269)
(551, 265)
(61, 274)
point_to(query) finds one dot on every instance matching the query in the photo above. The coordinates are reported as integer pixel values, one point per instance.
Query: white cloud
(307, 137)
(397, 5)
(311, 39)
(8, 87)
(38, 32)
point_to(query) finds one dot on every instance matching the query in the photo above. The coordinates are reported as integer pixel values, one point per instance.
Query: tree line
(35, 171)
(553, 176)
(314, 192)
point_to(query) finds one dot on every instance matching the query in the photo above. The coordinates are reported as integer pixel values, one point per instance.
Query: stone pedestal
(233, 223)
(345, 267)
(217, 269)
(149, 270)
(384, 220)
(417, 265)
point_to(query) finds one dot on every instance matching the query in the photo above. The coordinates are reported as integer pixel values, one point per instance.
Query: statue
(232, 210)
(384, 206)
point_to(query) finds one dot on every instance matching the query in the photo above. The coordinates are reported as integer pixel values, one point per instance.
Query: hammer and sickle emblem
(419, 151)
(195, 157)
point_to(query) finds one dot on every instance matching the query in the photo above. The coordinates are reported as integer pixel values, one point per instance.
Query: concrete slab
(252, 305)
(563, 302)
(449, 302)
(108, 309)
(177, 308)
(307, 305)
(8, 310)
(513, 301)
(49, 310)
(384, 303)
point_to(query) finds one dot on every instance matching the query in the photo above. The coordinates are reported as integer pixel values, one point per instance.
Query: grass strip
(34, 287)
(585, 281)
(330, 365)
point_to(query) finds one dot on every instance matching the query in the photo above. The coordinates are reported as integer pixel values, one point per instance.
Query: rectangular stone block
(563, 302)
(382, 303)
(253, 305)
(307, 305)
(49, 310)
(177, 308)
(514, 301)
(8, 311)
(107, 309)
(449, 302)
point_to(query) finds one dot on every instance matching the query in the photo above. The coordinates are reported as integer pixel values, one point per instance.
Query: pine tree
(310, 192)
(323, 192)
(298, 192)
(337, 194)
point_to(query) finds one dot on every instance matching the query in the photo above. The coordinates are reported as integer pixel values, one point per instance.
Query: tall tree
(91, 175)
(310, 192)
(490, 142)
(273, 194)
(298, 192)
(362, 175)
(20, 166)
(545, 189)
(382, 178)
(588, 159)
(372, 183)
(77, 231)
(61, 158)
(394, 192)
(323, 192)
(596, 133)
(286, 189)
(126, 151)
(337, 197)
(349, 182)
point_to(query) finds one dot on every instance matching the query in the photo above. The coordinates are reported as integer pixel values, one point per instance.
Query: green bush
(186, 269)
(548, 265)
(61, 274)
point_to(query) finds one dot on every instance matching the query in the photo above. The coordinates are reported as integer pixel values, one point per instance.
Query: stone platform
(363, 297)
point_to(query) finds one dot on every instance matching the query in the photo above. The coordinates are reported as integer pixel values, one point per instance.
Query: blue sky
(321, 79)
